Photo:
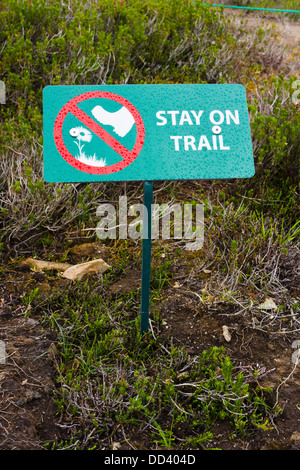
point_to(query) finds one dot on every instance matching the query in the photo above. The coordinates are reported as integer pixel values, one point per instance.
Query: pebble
(295, 436)
(296, 354)
(2, 352)
(226, 333)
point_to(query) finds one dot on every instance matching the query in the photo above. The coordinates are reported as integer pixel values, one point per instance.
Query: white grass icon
(91, 159)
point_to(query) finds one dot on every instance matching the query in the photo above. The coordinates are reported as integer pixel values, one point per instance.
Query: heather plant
(270, 4)
(109, 381)
(109, 378)
(103, 42)
(275, 121)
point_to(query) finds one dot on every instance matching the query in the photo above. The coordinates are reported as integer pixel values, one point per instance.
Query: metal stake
(146, 253)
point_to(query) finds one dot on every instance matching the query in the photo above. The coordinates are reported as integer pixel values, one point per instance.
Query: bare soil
(289, 30)
(27, 413)
(197, 328)
(28, 416)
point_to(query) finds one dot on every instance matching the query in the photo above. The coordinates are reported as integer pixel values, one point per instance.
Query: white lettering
(203, 142)
(123, 217)
(106, 228)
(189, 141)
(176, 140)
(162, 118)
(116, 460)
(185, 117)
(197, 116)
(222, 144)
(216, 117)
(173, 114)
(136, 226)
(215, 145)
(235, 117)
(212, 118)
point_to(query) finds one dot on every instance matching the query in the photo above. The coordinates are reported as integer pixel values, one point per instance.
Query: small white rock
(226, 333)
(268, 304)
(115, 445)
(296, 354)
(177, 285)
(2, 352)
(296, 357)
(83, 270)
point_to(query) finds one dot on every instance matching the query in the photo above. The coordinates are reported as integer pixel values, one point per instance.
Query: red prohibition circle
(128, 156)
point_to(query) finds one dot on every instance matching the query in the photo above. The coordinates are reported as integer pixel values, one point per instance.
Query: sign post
(146, 254)
(112, 133)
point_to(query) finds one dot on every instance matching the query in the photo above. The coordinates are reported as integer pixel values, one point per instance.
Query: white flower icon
(81, 133)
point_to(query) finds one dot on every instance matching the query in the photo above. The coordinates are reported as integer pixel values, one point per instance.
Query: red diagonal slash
(100, 132)
(127, 155)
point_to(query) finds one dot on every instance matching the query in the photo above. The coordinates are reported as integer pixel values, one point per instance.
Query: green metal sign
(146, 133)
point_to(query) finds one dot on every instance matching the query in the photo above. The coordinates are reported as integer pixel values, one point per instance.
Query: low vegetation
(113, 385)
(270, 4)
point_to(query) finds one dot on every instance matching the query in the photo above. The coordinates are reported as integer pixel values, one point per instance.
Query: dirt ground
(198, 328)
(27, 413)
(287, 29)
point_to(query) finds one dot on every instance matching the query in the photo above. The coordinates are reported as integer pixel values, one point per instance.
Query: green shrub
(275, 122)
(108, 377)
(102, 42)
(274, 4)
(45, 43)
